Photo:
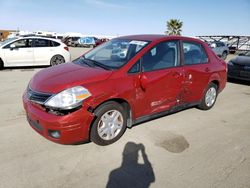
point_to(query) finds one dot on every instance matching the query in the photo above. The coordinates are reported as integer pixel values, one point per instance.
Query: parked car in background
(33, 51)
(100, 41)
(71, 41)
(239, 67)
(220, 49)
(88, 42)
(102, 92)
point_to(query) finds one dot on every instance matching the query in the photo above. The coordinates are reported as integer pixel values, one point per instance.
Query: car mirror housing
(12, 46)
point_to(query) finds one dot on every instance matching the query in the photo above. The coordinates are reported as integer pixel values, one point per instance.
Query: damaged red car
(122, 82)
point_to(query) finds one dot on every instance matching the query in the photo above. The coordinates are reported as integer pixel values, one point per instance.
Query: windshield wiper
(96, 63)
(81, 60)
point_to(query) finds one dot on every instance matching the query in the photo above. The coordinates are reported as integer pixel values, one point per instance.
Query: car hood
(60, 77)
(241, 60)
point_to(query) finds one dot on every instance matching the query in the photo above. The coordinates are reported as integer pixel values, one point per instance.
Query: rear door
(21, 54)
(196, 71)
(161, 79)
(43, 51)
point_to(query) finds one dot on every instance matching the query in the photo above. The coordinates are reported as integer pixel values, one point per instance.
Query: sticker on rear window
(137, 42)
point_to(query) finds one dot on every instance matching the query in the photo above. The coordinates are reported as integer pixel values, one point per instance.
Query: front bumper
(73, 127)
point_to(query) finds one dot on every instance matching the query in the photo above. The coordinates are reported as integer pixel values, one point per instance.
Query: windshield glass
(7, 41)
(115, 53)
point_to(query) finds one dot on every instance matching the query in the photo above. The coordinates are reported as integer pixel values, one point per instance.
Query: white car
(33, 51)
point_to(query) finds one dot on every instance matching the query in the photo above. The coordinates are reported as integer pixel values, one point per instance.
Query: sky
(125, 17)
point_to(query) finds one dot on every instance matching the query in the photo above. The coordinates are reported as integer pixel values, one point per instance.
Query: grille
(38, 97)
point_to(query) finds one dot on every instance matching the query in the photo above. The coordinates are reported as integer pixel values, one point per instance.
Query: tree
(174, 27)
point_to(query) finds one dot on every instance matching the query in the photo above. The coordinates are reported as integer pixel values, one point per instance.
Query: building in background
(5, 33)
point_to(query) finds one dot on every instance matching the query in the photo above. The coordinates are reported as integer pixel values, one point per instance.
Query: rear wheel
(109, 125)
(209, 97)
(56, 60)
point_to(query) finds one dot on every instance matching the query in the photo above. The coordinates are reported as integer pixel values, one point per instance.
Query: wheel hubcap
(110, 125)
(210, 96)
(57, 60)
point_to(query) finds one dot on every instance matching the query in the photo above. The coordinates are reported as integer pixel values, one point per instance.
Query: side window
(135, 68)
(23, 43)
(53, 43)
(163, 55)
(222, 44)
(41, 43)
(194, 53)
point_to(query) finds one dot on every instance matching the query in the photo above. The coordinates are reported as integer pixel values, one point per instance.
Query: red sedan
(125, 81)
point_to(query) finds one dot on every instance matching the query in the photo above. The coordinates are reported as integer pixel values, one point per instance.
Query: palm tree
(174, 27)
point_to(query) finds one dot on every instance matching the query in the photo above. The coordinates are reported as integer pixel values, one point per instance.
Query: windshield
(7, 41)
(115, 53)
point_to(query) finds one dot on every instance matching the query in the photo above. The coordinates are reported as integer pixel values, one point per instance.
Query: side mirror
(12, 46)
(213, 45)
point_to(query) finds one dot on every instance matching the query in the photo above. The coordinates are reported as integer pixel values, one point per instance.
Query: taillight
(66, 48)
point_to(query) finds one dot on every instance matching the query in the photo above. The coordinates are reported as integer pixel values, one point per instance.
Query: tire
(105, 133)
(224, 55)
(209, 97)
(56, 60)
(1, 64)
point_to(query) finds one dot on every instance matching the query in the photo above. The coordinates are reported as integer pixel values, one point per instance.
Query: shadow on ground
(26, 68)
(131, 173)
(241, 82)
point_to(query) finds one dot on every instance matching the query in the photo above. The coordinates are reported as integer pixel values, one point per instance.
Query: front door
(19, 53)
(161, 79)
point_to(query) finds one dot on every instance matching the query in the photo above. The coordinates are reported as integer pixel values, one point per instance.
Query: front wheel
(209, 97)
(109, 125)
(56, 60)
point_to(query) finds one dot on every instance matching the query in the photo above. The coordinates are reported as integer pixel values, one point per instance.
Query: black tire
(1, 64)
(56, 60)
(224, 55)
(204, 105)
(100, 112)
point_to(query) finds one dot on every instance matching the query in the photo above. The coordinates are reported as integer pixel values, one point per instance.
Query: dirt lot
(191, 148)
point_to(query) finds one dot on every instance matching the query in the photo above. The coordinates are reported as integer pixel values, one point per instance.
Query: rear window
(194, 53)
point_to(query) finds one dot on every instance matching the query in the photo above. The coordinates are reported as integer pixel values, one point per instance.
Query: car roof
(38, 37)
(151, 37)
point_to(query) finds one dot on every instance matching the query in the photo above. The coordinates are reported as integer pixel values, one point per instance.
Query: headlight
(69, 98)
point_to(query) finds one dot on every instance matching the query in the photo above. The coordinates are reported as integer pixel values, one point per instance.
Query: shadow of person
(131, 173)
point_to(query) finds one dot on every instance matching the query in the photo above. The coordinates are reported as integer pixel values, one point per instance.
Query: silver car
(220, 49)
